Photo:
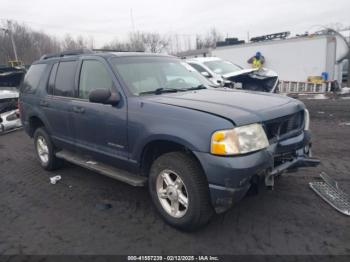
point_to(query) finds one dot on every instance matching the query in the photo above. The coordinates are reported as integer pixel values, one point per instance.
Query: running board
(330, 192)
(107, 170)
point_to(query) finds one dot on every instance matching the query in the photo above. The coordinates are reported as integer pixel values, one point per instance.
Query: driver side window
(93, 75)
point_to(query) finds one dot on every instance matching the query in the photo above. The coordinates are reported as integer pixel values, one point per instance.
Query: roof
(195, 52)
(203, 59)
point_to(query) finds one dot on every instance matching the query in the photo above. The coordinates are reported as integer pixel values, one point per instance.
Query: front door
(100, 130)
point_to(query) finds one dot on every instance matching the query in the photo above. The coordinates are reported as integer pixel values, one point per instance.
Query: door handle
(78, 109)
(43, 103)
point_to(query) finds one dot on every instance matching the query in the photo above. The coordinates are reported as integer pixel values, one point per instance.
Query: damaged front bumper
(230, 178)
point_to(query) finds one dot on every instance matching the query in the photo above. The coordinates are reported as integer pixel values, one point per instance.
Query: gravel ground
(39, 218)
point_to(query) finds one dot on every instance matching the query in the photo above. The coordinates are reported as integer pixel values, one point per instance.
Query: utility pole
(348, 40)
(177, 43)
(348, 80)
(132, 20)
(9, 31)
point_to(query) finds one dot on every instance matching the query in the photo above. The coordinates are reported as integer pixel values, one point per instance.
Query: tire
(52, 162)
(194, 186)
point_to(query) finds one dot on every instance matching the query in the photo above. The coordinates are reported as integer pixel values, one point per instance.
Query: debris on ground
(330, 192)
(103, 206)
(344, 124)
(55, 179)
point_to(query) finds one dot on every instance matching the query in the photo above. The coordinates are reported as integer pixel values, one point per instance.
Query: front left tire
(179, 190)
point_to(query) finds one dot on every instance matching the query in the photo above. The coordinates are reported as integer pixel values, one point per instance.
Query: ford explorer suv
(152, 119)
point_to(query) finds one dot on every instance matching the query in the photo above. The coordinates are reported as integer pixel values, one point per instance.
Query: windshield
(145, 75)
(222, 67)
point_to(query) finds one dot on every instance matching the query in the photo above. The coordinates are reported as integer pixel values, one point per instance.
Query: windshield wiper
(160, 90)
(194, 88)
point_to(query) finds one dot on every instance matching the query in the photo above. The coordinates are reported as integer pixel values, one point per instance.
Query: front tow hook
(300, 161)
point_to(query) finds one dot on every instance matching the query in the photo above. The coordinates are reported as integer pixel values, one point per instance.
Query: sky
(106, 20)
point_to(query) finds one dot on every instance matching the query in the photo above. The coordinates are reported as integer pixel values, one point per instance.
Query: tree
(210, 40)
(69, 43)
(140, 42)
(155, 43)
(136, 42)
(30, 44)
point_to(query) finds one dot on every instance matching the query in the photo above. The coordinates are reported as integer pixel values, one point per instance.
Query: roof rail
(67, 53)
(115, 50)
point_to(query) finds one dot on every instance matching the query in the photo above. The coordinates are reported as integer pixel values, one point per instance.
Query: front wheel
(179, 191)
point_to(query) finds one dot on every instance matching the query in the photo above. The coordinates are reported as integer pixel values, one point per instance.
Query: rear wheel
(45, 150)
(179, 191)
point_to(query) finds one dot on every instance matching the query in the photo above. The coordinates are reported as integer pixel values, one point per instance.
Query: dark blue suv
(147, 118)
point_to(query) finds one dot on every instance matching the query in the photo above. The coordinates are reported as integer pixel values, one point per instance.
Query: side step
(103, 169)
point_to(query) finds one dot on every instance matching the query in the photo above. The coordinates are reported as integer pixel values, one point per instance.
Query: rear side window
(52, 78)
(32, 78)
(93, 75)
(64, 84)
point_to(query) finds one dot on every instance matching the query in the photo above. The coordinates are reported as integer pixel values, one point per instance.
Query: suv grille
(278, 127)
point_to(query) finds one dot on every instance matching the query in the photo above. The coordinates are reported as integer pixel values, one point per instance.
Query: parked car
(9, 121)
(225, 73)
(147, 118)
(9, 114)
(12, 75)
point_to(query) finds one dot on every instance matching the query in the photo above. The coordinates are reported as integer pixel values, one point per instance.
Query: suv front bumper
(230, 178)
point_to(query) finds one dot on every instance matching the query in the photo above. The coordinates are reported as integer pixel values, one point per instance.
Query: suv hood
(259, 73)
(240, 107)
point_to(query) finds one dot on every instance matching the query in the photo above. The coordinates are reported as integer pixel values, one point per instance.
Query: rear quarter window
(32, 78)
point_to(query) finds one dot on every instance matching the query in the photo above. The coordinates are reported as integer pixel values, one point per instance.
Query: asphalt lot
(39, 218)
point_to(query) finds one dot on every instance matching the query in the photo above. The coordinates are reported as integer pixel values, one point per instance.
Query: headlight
(306, 119)
(240, 140)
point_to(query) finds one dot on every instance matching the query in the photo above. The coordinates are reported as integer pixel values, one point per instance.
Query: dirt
(37, 217)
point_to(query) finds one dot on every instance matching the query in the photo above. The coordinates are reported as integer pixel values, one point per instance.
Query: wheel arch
(34, 123)
(155, 148)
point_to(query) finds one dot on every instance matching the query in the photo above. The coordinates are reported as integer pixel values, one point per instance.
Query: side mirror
(206, 74)
(104, 96)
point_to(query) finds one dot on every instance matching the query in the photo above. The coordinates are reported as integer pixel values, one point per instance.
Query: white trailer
(294, 59)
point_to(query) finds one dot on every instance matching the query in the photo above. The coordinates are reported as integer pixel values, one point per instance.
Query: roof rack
(115, 50)
(82, 51)
(67, 53)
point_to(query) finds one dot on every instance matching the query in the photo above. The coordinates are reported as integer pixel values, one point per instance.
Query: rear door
(99, 129)
(57, 105)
